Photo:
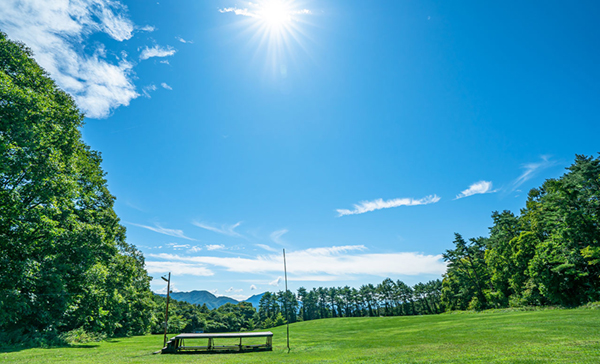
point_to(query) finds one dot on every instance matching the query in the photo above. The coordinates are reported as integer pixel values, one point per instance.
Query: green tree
(65, 263)
(467, 269)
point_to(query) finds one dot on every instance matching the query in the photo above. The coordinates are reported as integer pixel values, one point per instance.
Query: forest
(66, 267)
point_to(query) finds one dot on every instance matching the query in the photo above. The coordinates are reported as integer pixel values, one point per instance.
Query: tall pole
(287, 318)
(167, 309)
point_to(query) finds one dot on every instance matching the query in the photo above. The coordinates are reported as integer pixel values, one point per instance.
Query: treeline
(388, 298)
(187, 317)
(549, 254)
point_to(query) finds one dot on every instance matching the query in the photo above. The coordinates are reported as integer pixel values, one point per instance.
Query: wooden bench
(177, 344)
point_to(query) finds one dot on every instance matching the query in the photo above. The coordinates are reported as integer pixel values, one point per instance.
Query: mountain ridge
(200, 297)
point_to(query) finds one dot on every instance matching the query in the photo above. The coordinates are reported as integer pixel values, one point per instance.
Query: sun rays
(275, 27)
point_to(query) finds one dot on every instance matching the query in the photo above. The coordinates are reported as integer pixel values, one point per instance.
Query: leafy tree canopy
(65, 263)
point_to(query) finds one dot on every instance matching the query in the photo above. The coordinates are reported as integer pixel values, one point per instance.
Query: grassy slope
(563, 336)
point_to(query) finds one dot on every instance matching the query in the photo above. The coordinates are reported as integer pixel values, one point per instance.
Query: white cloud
(147, 28)
(164, 85)
(165, 61)
(176, 246)
(276, 282)
(177, 268)
(236, 11)
(476, 188)
(531, 170)
(194, 249)
(224, 229)
(183, 40)
(367, 206)
(253, 287)
(161, 230)
(215, 247)
(164, 289)
(239, 297)
(157, 51)
(276, 236)
(147, 89)
(326, 261)
(230, 289)
(260, 11)
(56, 30)
(266, 247)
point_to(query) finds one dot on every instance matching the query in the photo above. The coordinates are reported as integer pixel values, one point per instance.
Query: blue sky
(359, 136)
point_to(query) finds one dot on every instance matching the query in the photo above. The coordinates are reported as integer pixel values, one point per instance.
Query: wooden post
(167, 309)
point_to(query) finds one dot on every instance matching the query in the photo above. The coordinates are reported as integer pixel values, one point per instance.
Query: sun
(277, 29)
(276, 13)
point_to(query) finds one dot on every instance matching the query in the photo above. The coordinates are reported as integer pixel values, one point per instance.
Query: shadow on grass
(17, 348)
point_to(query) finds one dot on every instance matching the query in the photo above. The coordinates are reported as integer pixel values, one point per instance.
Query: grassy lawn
(561, 336)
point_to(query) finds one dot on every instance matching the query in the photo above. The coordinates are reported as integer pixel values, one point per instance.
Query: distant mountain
(254, 300)
(212, 301)
(202, 297)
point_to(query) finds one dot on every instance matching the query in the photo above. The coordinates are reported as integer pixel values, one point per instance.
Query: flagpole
(287, 318)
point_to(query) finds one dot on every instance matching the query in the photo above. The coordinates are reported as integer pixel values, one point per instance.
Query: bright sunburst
(276, 13)
(276, 25)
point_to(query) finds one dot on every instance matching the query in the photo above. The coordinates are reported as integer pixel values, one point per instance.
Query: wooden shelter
(180, 343)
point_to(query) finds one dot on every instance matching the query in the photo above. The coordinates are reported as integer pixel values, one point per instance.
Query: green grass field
(561, 336)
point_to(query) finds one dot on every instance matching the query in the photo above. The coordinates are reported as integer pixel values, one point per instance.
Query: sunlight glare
(275, 13)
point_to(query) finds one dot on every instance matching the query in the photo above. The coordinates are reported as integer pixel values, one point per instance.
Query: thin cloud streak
(476, 188)
(368, 206)
(228, 230)
(266, 247)
(161, 230)
(178, 268)
(531, 170)
(276, 236)
(260, 12)
(333, 261)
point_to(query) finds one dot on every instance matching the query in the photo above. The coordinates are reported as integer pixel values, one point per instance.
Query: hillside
(212, 301)
(255, 299)
(547, 336)
(202, 297)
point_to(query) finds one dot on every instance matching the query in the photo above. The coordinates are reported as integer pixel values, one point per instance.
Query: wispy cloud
(228, 230)
(266, 247)
(183, 40)
(56, 30)
(161, 230)
(367, 206)
(237, 11)
(276, 236)
(215, 247)
(326, 261)
(194, 249)
(532, 170)
(253, 287)
(259, 11)
(147, 89)
(157, 51)
(276, 282)
(177, 268)
(147, 28)
(176, 246)
(164, 85)
(476, 188)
